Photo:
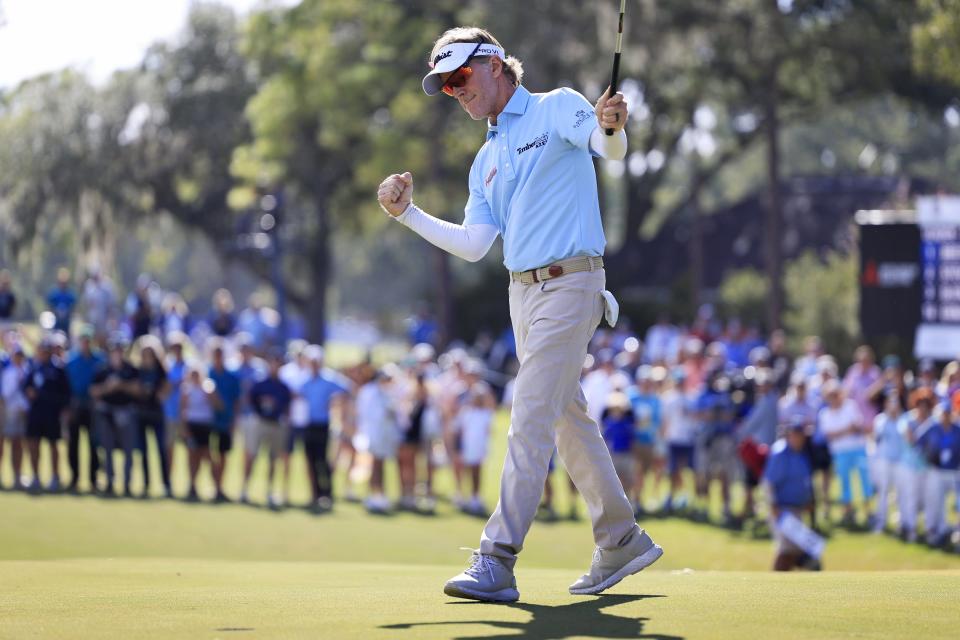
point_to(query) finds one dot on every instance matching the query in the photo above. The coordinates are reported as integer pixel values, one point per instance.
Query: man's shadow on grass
(584, 618)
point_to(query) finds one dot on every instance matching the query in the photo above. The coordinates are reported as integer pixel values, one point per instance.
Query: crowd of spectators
(874, 447)
(706, 415)
(145, 372)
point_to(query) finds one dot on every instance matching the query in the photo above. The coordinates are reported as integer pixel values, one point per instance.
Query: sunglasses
(460, 76)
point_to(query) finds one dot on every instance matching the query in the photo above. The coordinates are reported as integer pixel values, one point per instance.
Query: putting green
(82, 567)
(190, 598)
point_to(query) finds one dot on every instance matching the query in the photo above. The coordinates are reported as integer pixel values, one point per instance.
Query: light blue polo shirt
(535, 182)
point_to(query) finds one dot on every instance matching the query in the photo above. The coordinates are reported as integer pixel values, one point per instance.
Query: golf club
(616, 56)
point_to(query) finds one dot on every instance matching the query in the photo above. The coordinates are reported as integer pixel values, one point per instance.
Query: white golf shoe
(487, 579)
(610, 566)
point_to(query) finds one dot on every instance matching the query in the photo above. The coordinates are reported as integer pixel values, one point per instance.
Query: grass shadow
(584, 618)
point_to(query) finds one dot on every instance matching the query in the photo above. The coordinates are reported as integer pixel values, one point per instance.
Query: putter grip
(613, 81)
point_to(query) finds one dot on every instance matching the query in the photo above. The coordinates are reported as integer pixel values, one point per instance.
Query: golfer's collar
(516, 105)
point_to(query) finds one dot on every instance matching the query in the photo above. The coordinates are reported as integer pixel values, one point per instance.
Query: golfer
(533, 183)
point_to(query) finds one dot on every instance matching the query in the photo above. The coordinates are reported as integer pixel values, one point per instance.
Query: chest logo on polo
(539, 141)
(582, 116)
(490, 176)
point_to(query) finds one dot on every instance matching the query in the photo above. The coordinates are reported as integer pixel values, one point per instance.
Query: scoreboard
(938, 335)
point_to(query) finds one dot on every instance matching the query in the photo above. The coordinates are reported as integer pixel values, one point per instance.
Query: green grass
(81, 567)
(189, 598)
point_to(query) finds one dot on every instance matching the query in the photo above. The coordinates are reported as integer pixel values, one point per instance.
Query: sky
(95, 36)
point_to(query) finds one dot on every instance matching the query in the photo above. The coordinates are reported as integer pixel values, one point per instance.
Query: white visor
(452, 57)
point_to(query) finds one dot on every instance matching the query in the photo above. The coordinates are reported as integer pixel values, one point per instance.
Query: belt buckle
(555, 270)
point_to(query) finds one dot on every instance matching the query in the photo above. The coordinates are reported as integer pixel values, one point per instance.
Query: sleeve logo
(582, 116)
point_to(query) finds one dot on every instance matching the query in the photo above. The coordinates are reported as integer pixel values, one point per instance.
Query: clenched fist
(395, 193)
(611, 111)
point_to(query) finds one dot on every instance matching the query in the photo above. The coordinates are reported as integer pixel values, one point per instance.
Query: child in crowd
(474, 420)
(378, 433)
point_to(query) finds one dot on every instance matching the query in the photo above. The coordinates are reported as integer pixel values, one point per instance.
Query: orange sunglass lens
(457, 80)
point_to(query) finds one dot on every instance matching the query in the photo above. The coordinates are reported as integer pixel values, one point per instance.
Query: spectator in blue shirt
(61, 300)
(323, 396)
(717, 454)
(789, 481)
(757, 432)
(270, 399)
(48, 392)
(176, 367)
(646, 410)
(81, 367)
(617, 424)
(941, 447)
(227, 385)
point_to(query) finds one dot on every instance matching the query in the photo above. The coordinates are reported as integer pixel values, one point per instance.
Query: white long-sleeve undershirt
(609, 147)
(468, 241)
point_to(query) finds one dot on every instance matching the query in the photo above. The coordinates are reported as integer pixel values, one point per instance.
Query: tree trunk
(773, 243)
(319, 266)
(444, 280)
(696, 241)
(444, 292)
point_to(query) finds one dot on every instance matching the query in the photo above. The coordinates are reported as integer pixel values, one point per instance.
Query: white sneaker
(377, 503)
(487, 579)
(475, 507)
(610, 566)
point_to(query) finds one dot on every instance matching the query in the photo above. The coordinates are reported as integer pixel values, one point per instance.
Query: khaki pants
(553, 321)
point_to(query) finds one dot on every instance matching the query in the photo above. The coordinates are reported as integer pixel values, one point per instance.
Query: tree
(339, 107)
(936, 41)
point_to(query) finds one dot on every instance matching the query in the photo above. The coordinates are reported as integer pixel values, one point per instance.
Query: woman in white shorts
(378, 433)
(474, 421)
(14, 410)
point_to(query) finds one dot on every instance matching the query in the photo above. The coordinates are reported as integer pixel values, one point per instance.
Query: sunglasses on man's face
(457, 79)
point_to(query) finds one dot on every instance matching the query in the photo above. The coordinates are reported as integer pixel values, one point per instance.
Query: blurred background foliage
(299, 111)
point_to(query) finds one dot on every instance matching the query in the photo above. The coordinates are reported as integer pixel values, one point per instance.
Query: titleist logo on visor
(482, 51)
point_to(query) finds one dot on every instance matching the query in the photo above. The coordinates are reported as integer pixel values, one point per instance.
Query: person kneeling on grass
(789, 482)
(270, 399)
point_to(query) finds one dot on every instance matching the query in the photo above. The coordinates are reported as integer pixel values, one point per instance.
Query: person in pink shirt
(858, 384)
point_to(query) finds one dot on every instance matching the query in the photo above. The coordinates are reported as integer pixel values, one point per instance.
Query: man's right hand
(396, 193)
